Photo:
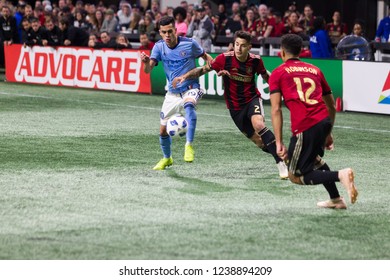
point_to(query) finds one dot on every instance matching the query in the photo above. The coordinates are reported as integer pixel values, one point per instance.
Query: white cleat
(283, 170)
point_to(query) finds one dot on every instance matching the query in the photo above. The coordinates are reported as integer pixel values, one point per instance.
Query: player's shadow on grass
(197, 186)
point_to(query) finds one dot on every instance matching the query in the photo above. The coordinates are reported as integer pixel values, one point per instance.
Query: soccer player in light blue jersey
(177, 55)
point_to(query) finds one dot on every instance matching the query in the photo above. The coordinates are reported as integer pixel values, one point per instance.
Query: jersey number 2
(305, 96)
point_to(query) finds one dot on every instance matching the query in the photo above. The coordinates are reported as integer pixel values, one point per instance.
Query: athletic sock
(165, 143)
(268, 139)
(191, 119)
(330, 186)
(325, 177)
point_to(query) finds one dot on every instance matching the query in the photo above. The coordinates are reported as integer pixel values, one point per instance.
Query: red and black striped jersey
(240, 88)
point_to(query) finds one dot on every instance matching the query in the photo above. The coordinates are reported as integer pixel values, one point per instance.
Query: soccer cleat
(163, 163)
(336, 203)
(346, 177)
(189, 153)
(283, 170)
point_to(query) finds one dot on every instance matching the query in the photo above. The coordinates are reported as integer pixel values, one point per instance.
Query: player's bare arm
(277, 123)
(194, 73)
(148, 63)
(330, 104)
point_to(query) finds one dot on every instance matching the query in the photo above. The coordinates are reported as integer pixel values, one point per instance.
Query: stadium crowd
(71, 23)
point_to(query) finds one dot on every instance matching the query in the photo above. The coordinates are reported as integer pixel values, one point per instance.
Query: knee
(189, 104)
(294, 179)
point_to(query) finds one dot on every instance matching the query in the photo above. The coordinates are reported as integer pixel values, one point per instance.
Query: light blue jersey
(178, 61)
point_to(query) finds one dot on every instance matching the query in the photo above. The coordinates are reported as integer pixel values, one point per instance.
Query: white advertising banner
(366, 87)
(77, 67)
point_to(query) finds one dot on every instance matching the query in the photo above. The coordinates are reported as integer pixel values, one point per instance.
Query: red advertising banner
(77, 67)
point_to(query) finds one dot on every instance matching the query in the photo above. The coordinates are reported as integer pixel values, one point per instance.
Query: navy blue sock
(268, 139)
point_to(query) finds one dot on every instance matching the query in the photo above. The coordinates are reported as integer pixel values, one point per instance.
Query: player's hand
(281, 151)
(144, 57)
(178, 80)
(223, 73)
(329, 143)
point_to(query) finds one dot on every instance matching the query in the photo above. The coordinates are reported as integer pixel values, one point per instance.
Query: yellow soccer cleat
(189, 153)
(163, 163)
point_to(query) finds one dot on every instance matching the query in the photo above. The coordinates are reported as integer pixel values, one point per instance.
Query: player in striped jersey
(239, 69)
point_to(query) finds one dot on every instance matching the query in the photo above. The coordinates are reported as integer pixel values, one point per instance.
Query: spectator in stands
(358, 29)
(243, 9)
(180, 14)
(19, 17)
(147, 25)
(307, 19)
(69, 4)
(96, 20)
(207, 6)
(235, 9)
(106, 41)
(121, 42)
(8, 29)
(383, 32)
(263, 28)
(54, 33)
(278, 25)
(291, 8)
(201, 29)
(320, 45)
(250, 23)
(79, 5)
(28, 12)
(222, 12)
(155, 7)
(39, 34)
(292, 26)
(184, 4)
(26, 30)
(81, 21)
(336, 29)
(168, 11)
(135, 21)
(39, 14)
(146, 44)
(124, 16)
(66, 13)
(231, 25)
(110, 23)
(72, 36)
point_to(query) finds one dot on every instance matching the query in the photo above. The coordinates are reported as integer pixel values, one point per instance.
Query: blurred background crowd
(126, 24)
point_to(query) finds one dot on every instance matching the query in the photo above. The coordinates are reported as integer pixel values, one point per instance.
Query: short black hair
(292, 44)
(166, 20)
(243, 35)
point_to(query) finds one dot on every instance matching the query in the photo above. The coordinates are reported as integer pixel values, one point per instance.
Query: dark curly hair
(180, 10)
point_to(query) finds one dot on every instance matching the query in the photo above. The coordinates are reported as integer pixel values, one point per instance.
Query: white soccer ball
(177, 126)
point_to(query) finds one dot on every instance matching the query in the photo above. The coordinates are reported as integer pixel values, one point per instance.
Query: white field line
(158, 109)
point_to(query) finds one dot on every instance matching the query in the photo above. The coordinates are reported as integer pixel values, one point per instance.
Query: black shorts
(242, 118)
(306, 146)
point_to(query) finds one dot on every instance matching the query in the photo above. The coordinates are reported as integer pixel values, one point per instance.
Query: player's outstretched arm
(194, 73)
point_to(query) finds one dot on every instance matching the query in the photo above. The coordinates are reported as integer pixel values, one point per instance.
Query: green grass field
(77, 183)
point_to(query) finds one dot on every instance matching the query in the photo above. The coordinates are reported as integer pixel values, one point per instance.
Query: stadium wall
(122, 71)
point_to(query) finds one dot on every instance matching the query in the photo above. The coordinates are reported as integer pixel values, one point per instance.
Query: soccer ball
(177, 126)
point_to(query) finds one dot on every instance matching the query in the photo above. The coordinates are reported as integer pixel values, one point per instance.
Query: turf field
(77, 183)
